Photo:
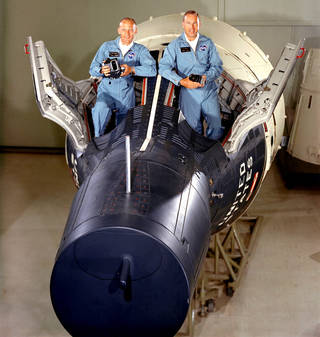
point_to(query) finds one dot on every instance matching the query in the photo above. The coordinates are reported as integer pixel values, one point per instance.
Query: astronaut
(118, 93)
(193, 53)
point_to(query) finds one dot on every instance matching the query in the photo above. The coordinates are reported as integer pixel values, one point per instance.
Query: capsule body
(128, 262)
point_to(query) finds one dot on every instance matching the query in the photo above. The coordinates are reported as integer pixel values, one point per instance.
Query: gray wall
(73, 30)
(2, 42)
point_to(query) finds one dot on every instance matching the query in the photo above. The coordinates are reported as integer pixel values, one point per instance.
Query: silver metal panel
(264, 101)
(58, 97)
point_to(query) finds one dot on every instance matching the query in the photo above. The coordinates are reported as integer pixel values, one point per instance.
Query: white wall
(74, 29)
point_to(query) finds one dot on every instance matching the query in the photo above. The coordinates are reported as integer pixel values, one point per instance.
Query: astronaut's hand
(187, 83)
(203, 81)
(105, 70)
(127, 70)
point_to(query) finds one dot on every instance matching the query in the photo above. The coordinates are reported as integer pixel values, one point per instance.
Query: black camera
(196, 78)
(115, 69)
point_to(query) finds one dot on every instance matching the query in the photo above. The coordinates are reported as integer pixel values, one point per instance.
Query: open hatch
(244, 105)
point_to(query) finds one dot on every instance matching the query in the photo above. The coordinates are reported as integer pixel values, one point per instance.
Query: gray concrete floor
(279, 294)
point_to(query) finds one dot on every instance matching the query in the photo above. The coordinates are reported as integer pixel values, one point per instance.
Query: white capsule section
(241, 57)
(304, 142)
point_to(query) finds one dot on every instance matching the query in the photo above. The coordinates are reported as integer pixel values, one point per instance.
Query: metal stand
(226, 259)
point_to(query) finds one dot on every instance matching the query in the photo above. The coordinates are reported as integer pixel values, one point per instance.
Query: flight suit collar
(186, 38)
(117, 42)
(202, 38)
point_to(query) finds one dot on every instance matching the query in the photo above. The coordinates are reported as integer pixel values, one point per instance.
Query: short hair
(190, 12)
(128, 19)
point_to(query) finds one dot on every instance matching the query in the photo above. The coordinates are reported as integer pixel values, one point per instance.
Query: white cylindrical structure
(241, 57)
(304, 142)
(128, 165)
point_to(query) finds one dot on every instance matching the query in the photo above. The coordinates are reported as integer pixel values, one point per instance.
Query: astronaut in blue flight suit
(193, 53)
(118, 93)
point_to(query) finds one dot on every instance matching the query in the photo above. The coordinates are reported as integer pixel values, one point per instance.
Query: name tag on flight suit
(114, 54)
(185, 49)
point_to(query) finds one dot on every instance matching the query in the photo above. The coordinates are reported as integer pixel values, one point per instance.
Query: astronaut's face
(190, 26)
(127, 31)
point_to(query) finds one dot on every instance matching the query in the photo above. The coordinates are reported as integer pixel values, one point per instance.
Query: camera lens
(114, 65)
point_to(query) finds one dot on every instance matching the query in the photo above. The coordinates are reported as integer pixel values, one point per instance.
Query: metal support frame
(227, 256)
(263, 101)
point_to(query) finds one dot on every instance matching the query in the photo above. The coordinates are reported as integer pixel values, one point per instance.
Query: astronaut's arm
(215, 68)
(96, 64)
(147, 65)
(167, 65)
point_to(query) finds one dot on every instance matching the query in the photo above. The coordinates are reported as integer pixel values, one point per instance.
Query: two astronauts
(191, 53)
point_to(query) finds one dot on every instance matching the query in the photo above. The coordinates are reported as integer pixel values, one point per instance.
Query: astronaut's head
(127, 30)
(191, 24)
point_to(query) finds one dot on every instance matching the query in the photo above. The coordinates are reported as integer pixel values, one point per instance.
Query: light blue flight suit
(178, 62)
(118, 93)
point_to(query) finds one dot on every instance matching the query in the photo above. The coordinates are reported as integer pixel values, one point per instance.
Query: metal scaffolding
(227, 256)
